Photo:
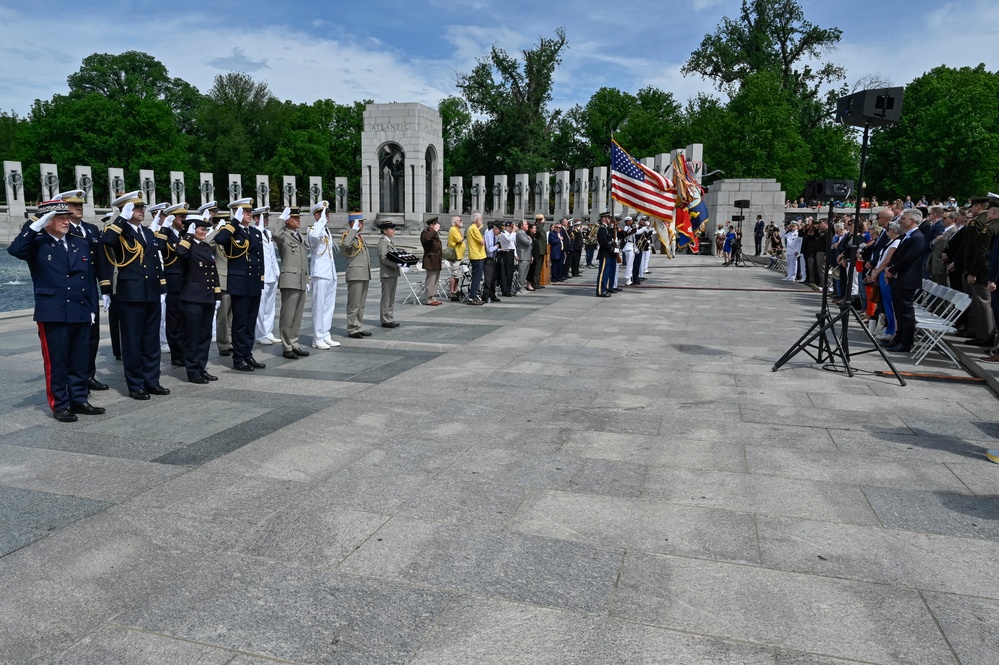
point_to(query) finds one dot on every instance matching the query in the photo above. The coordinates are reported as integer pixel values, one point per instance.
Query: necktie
(297, 236)
(65, 245)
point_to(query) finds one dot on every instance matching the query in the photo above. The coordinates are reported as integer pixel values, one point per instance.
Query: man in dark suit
(758, 232)
(134, 251)
(906, 274)
(243, 247)
(89, 232)
(556, 249)
(199, 291)
(62, 272)
(606, 261)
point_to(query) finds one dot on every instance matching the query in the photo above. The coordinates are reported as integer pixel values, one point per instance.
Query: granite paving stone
(651, 526)
(854, 469)
(13, 538)
(657, 451)
(970, 624)
(900, 558)
(114, 645)
(292, 613)
(936, 512)
(979, 477)
(540, 571)
(769, 495)
(841, 618)
(942, 448)
(496, 632)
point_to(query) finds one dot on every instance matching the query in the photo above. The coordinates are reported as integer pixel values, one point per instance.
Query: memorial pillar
(206, 185)
(50, 181)
(542, 190)
(178, 188)
(499, 195)
(147, 185)
(85, 181)
(521, 195)
(457, 195)
(695, 157)
(315, 190)
(340, 195)
(116, 183)
(263, 191)
(13, 182)
(289, 191)
(581, 194)
(561, 194)
(235, 187)
(478, 193)
(598, 192)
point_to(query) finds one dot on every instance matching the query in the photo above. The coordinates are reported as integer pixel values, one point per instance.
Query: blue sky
(394, 50)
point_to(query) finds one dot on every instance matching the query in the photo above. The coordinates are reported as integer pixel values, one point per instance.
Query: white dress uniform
(629, 253)
(268, 297)
(647, 253)
(323, 279)
(792, 248)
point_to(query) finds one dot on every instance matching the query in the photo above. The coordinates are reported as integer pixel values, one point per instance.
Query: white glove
(190, 228)
(106, 300)
(154, 226)
(617, 251)
(323, 219)
(93, 318)
(285, 215)
(127, 211)
(260, 223)
(238, 216)
(308, 288)
(357, 225)
(42, 221)
(168, 222)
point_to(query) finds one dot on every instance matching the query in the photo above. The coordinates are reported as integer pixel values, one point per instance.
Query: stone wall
(765, 198)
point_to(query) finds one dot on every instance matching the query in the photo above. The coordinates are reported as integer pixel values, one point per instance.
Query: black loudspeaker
(873, 108)
(742, 204)
(825, 190)
(738, 218)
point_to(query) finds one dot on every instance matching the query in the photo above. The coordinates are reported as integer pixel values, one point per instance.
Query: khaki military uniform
(358, 275)
(292, 281)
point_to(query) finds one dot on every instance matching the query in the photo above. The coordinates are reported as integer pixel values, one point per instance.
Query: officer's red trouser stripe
(48, 365)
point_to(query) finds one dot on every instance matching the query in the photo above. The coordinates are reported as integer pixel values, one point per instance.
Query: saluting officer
(293, 281)
(268, 297)
(171, 233)
(134, 251)
(242, 245)
(62, 272)
(89, 232)
(323, 278)
(199, 291)
(358, 274)
(222, 330)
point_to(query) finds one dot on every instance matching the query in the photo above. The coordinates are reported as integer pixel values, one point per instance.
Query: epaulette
(115, 228)
(104, 282)
(159, 235)
(185, 243)
(163, 282)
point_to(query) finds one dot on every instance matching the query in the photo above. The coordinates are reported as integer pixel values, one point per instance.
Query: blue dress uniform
(607, 263)
(134, 251)
(243, 247)
(199, 292)
(173, 272)
(62, 272)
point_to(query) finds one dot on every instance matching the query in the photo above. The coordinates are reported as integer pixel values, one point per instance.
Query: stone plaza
(556, 478)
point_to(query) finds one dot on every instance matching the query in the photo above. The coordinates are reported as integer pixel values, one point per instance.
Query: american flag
(637, 186)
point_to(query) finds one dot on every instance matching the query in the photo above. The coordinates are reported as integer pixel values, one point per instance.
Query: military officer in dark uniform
(170, 234)
(199, 291)
(89, 232)
(62, 271)
(134, 251)
(606, 259)
(243, 247)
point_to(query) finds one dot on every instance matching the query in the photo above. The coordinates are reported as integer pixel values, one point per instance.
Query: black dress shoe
(177, 363)
(301, 353)
(242, 366)
(197, 379)
(603, 295)
(365, 333)
(94, 384)
(210, 377)
(290, 355)
(157, 390)
(87, 409)
(65, 416)
(356, 335)
(138, 394)
(225, 352)
(390, 325)
(256, 365)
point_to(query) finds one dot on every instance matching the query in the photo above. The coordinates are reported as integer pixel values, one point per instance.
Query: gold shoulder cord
(245, 246)
(357, 245)
(167, 260)
(326, 244)
(136, 251)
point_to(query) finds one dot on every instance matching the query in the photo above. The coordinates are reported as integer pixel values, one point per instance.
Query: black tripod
(832, 347)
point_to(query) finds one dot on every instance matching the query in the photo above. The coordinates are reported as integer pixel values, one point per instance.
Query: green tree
(513, 97)
(947, 142)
